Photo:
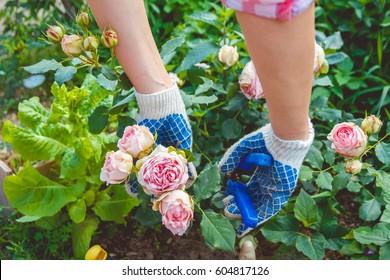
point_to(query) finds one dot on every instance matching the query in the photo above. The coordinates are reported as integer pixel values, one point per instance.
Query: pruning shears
(240, 190)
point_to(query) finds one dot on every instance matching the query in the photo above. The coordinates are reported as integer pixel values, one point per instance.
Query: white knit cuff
(160, 104)
(291, 152)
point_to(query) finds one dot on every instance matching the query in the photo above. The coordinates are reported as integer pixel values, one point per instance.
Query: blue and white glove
(164, 113)
(269, 187)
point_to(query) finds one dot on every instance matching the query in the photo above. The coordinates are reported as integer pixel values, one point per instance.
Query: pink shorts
(276, 9)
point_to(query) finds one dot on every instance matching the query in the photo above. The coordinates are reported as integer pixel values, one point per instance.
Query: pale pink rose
(250, 83)
(353, 166)
(72, 45)
(228, 55)
(371, 124)
(162, 171)
(177, 210)
(136, 140)
(348, 139)
(117, 167)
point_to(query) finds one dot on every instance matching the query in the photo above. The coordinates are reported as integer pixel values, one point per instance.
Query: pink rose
(72, 45)
(177, 210)
(250, 83)
(162, 171)
(348, 139)
(117, 167)
(136, 140)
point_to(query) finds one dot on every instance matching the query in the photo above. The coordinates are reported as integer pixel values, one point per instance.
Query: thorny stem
(374, 146)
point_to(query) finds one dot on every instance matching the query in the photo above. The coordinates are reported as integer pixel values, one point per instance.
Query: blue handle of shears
(240, 190)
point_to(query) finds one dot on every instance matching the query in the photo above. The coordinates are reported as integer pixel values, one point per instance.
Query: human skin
(283, 52)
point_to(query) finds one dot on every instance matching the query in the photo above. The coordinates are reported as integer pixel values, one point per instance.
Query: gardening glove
(269, 187)
(164, 113)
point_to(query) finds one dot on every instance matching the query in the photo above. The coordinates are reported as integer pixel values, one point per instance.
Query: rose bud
(250, 83)
(228, 55)
(117, 167)
(83, 19)
(348, 139)
(109, 38)
(353, 166)
(321, 66)
(72, 45)
(371, 124)
(162, 171)
(177, 210)
(91, 43)
(55, 33)
(137, 141)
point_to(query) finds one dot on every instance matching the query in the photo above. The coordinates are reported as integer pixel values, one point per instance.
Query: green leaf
(382, 181)
(311, 246)
(351, 249)
(204, 99)
(305, 209)
(109, 73)
(324, 181)
(315, 158)
(384, 252)
(382, 151)
(147, 217)
(207, 183)
(106, 83)
(170, 46)
(323, 82)
(28, 219)
(283, 229)
(96, 92)
(125, 82)
(218, 231)
(77, 210)
(335, 58)
(82, 235)
(333, 42)
(52, 222)
(117, 207)
(305, 173)
(353, 186)
(64, 74)
(231, 129)
(197, 54)
(370, 210)
(204, 87)
(118, 104)
(30, 145)
(31, 113)
(378, 235)
(43, 66)
(35, 195)
(237, 103)
(340, 181)
(97, 121)
(329, 114)
(386, 215)
(207, 17)
(72, 166)
(34, 81)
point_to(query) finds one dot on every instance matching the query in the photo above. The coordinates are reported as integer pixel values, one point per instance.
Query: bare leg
(136, 50)
(283, 53)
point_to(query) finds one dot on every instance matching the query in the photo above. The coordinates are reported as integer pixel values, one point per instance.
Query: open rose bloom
(136, 140)
(162, 171)
(250, 83)
(117, 167)
(177, 210)
(348, 139)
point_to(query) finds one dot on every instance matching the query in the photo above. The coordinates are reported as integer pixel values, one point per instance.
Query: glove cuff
(160, 104)
(289, 152)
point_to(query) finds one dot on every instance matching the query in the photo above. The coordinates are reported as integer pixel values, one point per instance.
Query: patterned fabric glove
(269, 187)
(164, 113)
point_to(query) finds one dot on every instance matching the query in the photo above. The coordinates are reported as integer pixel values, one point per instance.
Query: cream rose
(72, 45)
(371, 124)
(177, 210)
(228, 55)
(348, 139)
(136, 140)
(117, 167)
